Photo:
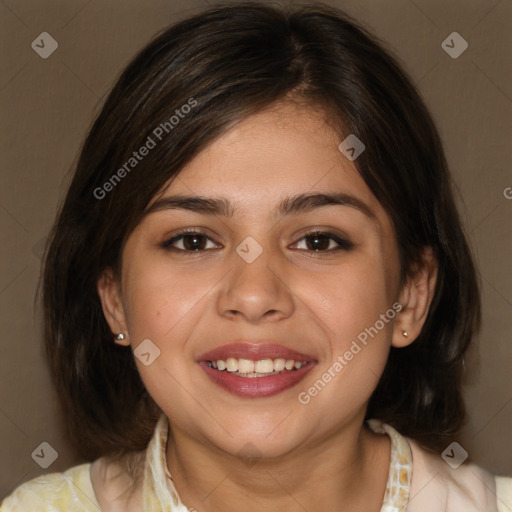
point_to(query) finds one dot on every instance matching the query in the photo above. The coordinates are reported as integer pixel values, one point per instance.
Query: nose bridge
(255, 288)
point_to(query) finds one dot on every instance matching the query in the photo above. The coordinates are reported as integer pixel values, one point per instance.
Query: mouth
(261, 368)
(249, 370)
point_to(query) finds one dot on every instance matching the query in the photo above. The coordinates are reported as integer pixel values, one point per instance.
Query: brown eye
(320, 241)
(188, 241)
(194, 242)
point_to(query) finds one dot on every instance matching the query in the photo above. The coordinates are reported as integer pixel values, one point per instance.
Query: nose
(256, 291)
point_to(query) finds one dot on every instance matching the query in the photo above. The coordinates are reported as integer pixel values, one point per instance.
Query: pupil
(317, 242)
(194, 244)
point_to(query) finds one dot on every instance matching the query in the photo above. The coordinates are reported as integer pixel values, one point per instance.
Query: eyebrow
(292, 205)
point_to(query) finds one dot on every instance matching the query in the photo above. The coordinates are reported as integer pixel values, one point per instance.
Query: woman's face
(257, 290)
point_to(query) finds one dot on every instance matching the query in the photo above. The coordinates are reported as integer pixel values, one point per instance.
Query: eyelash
(343, 244)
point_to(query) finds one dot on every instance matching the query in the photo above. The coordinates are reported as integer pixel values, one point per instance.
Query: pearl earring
(120, 336)
(405, 334)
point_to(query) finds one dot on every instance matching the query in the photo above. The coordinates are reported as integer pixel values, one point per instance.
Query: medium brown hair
(235, 60)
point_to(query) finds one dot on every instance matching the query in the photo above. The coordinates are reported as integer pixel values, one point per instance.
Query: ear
(110, 296)
(415, 297)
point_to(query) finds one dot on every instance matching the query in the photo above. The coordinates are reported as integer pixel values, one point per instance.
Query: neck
(346, 470)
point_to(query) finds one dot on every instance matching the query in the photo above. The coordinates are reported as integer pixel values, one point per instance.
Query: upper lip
(254, 351)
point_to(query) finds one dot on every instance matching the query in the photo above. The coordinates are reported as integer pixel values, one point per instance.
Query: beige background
(48, 104)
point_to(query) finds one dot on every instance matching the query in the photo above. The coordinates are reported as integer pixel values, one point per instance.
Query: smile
(261, 368)
(255, 370)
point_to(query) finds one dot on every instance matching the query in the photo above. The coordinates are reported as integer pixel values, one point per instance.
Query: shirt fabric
(418, 481)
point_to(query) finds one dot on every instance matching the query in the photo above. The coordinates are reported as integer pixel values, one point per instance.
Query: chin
(259, 440)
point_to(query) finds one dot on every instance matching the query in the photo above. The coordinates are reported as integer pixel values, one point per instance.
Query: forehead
(285, 150)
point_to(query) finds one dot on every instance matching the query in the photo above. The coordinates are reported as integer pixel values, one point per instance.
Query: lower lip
(256, 387)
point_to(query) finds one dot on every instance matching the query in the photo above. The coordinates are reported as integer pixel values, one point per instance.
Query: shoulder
(439, 485)
(70, 491)
(504, 493)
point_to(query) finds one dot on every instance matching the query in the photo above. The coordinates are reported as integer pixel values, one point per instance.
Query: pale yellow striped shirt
(418, 481)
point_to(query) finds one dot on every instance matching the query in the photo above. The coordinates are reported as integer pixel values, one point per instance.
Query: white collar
(160, 494)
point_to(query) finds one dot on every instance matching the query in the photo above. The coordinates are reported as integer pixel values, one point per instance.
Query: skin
(317, 456)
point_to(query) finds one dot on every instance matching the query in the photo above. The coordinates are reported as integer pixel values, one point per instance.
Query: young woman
(258, 293)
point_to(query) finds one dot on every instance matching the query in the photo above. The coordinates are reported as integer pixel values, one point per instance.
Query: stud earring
(120, 336)
(405, 334)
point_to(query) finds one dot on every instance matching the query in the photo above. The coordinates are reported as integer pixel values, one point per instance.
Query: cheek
(352, 298)
(164, 306)
(354, 303)
(358, 315)
(159, 298)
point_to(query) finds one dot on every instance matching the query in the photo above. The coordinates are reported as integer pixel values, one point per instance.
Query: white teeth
(279, 365)
(262, 367)
(231, 364)
(246, 366)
